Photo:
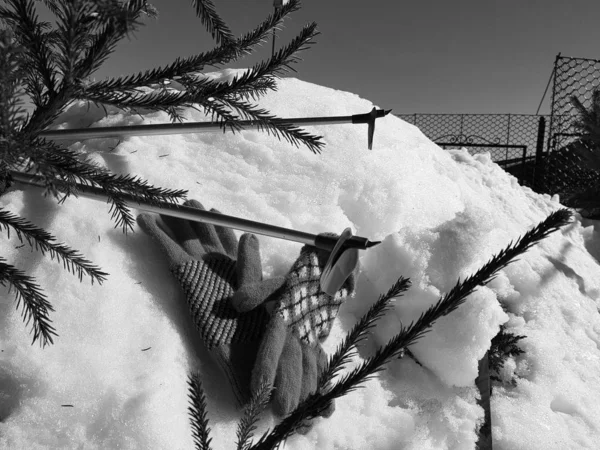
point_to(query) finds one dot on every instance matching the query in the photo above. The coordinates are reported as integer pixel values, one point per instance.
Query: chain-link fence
(563, 172)
(513, 140)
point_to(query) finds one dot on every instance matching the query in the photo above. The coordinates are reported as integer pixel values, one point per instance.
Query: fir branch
(70, 23)
(52, 5)
(281, 62)
(24, 22)
(119, 212)
(116, 21)
(43, 241)
(504, 345)
(266, 121)
(12, 114)
(252, 412)
(68, 167)
(220, 32)
(183, 67)
(260, 34)
(316, 403)
(345, 351)
(35, 304)
(156, 101)
(60, 166)
(197, 413)
(256, 89)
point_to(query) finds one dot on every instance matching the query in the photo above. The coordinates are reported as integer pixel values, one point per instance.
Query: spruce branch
(53, 65)
(184, 67)
(504, 345)
(346, 350)
(115, 22)
(252, 412)
(220, 32)
(197, 413)
(28, 31)
(263, 121)
(274, 21)
(43, 241)
(316, 403)
(12, 115)
(52, 5)
(57, 164)
(35, 304)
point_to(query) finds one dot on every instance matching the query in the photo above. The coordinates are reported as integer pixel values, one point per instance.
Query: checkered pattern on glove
(304, 306)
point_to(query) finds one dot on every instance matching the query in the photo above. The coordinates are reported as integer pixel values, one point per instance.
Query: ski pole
(203, 127)
(187, 212)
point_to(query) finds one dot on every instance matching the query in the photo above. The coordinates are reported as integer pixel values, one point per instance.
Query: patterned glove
(202, 258)
(290, 356)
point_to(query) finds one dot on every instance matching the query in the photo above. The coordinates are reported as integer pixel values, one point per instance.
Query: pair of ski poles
(344, 249)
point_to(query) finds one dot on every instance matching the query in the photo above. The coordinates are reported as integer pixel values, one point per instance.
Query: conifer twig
(184, 67)
(35, 304)
(344, 352)
(41, 240)
(252, 412)
(220, 32)
(213, 96)
(197, 413)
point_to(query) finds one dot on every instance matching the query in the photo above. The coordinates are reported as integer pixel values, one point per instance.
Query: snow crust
(126, 347)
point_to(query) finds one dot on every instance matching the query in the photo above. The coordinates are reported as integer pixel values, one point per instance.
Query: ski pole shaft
(201, 127)
(194, 214)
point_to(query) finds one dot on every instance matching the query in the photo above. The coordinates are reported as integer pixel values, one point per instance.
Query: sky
(425, 56)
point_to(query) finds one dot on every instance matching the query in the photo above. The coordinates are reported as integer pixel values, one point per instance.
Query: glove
(290, 356)
(203, 259)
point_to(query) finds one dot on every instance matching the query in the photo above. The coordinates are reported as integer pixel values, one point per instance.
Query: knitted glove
(202, 258)
(290, 356)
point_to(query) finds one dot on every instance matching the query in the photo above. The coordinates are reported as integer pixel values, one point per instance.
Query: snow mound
(126, 347)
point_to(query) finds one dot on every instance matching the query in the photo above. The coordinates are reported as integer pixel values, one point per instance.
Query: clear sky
(425, 56)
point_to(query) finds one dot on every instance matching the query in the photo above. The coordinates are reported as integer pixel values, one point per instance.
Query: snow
(125, 348)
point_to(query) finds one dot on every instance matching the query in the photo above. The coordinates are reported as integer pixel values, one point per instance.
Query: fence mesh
(511, 139)
(563, 172)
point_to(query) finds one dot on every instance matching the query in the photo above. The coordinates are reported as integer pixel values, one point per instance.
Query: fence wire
(511, 139)
(563, 172)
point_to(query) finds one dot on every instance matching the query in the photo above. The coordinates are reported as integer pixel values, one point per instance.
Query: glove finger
(149, 225)
(227, 238)
(205, 232)
(309, 371)
(249, 296)
(184, 235)
(322, 362)
(249, 267)
(269, 352)
(288, 383)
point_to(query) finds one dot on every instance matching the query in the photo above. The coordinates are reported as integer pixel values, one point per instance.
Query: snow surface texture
(125, 348)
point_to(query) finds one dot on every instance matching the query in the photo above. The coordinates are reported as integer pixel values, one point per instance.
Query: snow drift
(125, 348)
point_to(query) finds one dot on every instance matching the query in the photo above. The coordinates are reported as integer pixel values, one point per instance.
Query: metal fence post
(538, 173)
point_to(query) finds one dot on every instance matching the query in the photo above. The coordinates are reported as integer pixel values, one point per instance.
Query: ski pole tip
(370, 244)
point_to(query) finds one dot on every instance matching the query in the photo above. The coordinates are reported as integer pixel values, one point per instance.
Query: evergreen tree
(53, 66)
